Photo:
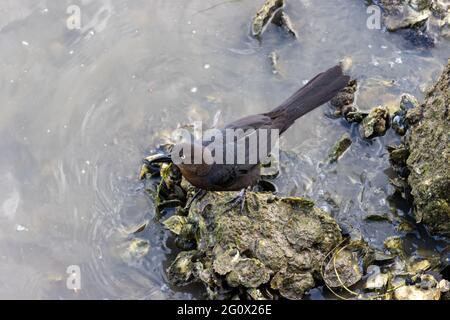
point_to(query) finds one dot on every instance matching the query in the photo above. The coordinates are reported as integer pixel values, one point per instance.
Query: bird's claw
(239, 200)
(198, 195)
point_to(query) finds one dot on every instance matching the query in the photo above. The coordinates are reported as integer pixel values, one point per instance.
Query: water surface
(81, 108)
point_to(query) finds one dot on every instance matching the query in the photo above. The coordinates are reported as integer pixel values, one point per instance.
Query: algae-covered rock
(275, 237)
(249, 273)
(134, 250)
(340, 147)
(394, 244)
(343, 270)
(275, 244)
(265, 15)
(428, 142)
(376, 123)
(175, 223)
(181, 271)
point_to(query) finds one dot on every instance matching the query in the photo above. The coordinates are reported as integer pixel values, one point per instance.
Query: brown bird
(233, 177)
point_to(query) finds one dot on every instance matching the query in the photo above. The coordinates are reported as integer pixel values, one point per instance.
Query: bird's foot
(239, 200)
(198, 195)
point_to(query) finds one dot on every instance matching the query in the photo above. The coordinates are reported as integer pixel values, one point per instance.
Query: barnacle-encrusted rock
(428, 141)
(276, 244)
(343, 270)
(181, 271)
(281, 238)
(175, 223)
(399, 121)
(346, 96)
(397, 157)
(376, 123)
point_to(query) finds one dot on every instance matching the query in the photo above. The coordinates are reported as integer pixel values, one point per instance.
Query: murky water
(80, 109)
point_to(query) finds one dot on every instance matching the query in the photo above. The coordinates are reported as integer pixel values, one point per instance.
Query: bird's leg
(239, 200)
(198, 195)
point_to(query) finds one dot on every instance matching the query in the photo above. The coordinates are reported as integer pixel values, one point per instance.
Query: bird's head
(192, 159)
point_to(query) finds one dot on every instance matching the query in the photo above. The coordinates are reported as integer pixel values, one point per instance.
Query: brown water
(81, 108)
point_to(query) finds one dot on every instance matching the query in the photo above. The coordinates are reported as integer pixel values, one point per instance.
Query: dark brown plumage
(232, 177)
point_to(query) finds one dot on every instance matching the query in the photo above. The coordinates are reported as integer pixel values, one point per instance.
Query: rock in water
(376, 123)
(265, 15)
(399, 122)
(276, 242)
(339, 148)
(275, 245)
(428, 141)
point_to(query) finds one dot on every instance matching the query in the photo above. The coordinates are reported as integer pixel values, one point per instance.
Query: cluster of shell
(277, 247)
(376, 122)
(421, 21)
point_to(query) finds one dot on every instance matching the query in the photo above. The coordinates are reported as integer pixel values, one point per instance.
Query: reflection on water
(80, 108)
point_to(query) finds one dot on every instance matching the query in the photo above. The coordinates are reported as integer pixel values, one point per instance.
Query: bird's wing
(225, 176)
(256, 121)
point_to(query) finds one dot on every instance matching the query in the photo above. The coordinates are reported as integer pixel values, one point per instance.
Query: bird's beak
(149, 166)
(158, 158)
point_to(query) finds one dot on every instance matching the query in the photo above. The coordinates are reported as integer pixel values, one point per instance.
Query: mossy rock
(428, 142)
(277, 238)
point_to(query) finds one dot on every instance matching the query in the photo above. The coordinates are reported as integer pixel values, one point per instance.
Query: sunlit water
(81, 108)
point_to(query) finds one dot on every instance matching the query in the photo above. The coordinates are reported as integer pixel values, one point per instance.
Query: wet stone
(275, 240)
(376, 123)
(339, 148)
(265, 15)
(400, 122)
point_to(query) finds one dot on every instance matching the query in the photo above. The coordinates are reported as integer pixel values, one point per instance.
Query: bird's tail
(319, 90)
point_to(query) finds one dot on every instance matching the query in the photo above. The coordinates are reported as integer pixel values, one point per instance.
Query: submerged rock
(407, 18)
(428, 142)
(339, 148)
(376, 123)
(273, 57)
